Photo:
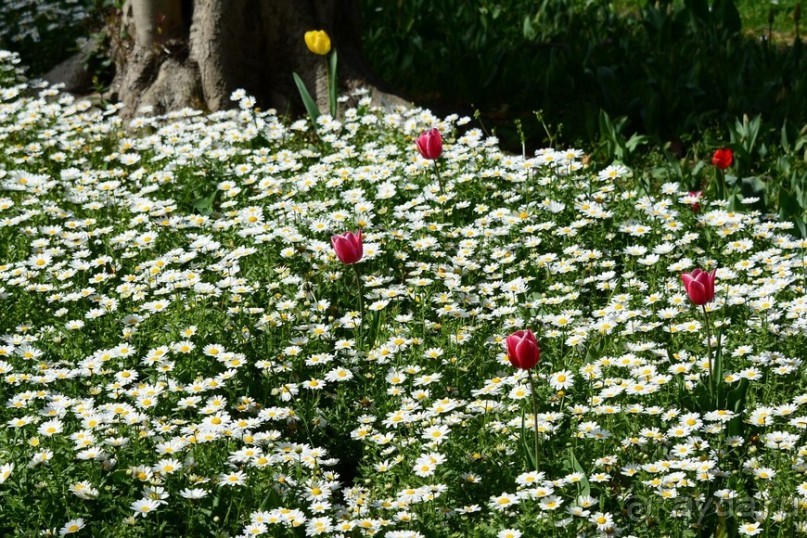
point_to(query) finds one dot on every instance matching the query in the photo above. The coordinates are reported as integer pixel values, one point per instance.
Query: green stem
(721, 184)
(709, 349)
(361, 304)
(229, 508)
(303, 420)
(439, 178)
(534, 416)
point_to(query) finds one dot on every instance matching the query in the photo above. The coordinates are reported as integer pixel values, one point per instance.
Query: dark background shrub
(672, 68)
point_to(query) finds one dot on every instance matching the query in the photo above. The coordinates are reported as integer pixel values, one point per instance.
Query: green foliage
(45, 33)
(309, 102)
(176, 328)
(769, 173)
(613, 145)
(669, 67)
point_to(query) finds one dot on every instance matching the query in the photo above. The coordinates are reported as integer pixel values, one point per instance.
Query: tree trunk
(184, 53)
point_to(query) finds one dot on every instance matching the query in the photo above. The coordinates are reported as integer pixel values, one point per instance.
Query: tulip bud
(723, 158)
(318, 42)
(430, 144)
(348, 247)
(523, 350)
(700, 286)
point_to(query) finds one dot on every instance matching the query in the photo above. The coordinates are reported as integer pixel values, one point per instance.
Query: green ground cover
(184, 354)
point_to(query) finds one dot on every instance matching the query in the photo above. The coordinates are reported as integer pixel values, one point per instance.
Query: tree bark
(173, 54)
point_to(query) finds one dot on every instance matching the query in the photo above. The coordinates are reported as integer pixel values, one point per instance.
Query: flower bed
(184, 354)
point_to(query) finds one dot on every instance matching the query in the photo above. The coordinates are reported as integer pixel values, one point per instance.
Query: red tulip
(523, 350)
(430, 144)
(723, 158)
(700, 286)
(348, 247)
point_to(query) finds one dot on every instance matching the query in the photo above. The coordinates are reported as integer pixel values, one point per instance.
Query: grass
(756, 18)
(755, 15)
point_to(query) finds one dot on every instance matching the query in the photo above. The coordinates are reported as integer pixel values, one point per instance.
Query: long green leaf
(574, 465)
(333, 80)
(308, 101)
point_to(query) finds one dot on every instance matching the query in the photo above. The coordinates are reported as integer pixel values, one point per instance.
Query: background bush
(671, 68)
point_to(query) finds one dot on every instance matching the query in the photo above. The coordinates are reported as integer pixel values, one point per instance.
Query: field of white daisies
(184, 352)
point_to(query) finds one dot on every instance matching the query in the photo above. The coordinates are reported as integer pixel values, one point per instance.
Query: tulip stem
(361, 302)
(709, 347)
(720, 184)
(439, 177)
(534, 416)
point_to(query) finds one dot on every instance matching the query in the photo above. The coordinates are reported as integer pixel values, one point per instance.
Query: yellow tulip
(318, 42)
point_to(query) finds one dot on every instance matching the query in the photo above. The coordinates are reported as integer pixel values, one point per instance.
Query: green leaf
(204, 205)
(801, 141)
(308, 101)
(333, 82)
(528, 30)
(526, 441)
(698, 168)
(635, 141)
(575, 466)
(788, 204)
(594, 351)
(735, 399)
(119, 477)
(717, 370)
(606, 127)
(785, 137)
(756, 184)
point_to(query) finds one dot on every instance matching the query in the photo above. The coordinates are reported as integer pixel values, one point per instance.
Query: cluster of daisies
(183, 351)
(27, 21)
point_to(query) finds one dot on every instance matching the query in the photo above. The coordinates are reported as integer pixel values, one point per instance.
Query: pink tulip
(696, 206)
(430, 144)
(700, 286)
(348, 247)
(523, 350)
